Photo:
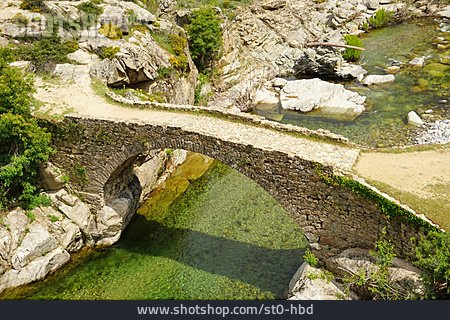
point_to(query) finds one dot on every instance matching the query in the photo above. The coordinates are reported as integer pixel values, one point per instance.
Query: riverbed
(420, 89)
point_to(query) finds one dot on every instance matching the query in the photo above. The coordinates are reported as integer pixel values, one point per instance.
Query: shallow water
(385, 121)
(224, 238)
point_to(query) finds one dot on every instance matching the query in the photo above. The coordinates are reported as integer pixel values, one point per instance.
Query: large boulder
(310, 283)
(310, 94)
(51, 177)
(36, 243)
(76, 210)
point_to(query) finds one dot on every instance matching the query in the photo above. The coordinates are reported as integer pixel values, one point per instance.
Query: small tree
(205, 36)
(24, 145)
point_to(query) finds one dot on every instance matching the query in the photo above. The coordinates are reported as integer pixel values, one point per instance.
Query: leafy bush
(380, 19)
(108, 52)
(111, 31)
(310, 258)
(46, 51)
(24, 145)
(352, 54)
(34, 5)
(205, 36)
(90, 7)
(433, 256)
(19, 19)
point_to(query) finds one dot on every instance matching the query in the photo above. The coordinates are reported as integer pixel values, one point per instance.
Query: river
(223, 238)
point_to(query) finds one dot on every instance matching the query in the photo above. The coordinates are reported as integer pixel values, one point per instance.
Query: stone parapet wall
(234, 114)
(333, 217)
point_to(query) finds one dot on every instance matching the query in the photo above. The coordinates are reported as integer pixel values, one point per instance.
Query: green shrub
(433, 257)
(34, 5)
(380, 19)
(108, 52)
(90, 7)
(19, 19)
(203, 78)
(205, 37)
(352, 54)
(111, 31)
(311, 259)
(53, 218)
(175, 44)
(46, 51)
(31, 215)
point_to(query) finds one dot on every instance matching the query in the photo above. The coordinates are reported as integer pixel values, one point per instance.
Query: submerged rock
(310, 94)
(419, 62)
(378, 79)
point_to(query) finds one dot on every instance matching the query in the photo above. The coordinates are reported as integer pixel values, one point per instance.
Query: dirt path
(414, 172)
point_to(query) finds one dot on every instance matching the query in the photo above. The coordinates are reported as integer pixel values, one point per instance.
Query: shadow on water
(258, 266)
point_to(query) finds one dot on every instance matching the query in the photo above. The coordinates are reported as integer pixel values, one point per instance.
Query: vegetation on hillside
(24, 144)
(205, 37)
(34, 5)
(43, 53)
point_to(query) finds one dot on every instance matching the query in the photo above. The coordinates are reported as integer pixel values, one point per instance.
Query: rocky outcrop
(403, 277)
(33, 245)
(139, 63)
(36, 243)
(311, 94)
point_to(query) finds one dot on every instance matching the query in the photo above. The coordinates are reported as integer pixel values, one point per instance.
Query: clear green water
(224, 238)
(385, 121)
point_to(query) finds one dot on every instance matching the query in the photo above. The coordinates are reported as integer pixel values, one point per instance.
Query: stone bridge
(299, 172)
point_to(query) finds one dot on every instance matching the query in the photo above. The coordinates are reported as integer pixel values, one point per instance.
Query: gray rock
(71, 239)
(311, 283)
(273, 4)
(414, 119)
(419, 62)
(279, 82)
(69, 72)
(17, 222)
(5, 243)
(51, 177)
(403, 276)
(266, 97)
(35, 270)
(82, 57)
(372, 4)
(307, 95)
(351, 71)
(37, 242)
(445, 12)
(22, 65)
(74, 209)
(378, 79)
